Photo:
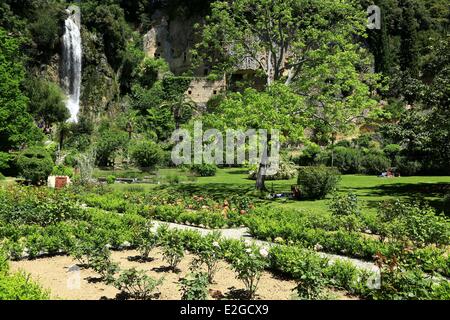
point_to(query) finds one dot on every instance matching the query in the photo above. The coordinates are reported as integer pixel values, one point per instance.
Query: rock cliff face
(172, 40)
(100, 86)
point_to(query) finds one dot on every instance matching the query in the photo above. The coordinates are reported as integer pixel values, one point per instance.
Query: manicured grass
(370, 189)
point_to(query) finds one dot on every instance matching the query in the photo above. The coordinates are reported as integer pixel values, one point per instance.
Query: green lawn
(369, 189)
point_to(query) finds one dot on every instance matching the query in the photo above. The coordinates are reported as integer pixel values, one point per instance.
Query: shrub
(2, 177)
(111, 179)
(317, 182)
(375, 163)
(4, 160)
(62, 170)
(145, 240)
(204, 170)
(19, 286)
(342, 275)
(311, 155)
(306, 267)
(173, 249)
(404, 221)
(194, 286)
(146, 154)
(35, 164)
(407, 167)
(100, 262)
(4, 266)
(249, 264)
(348, 160)
(346, 209)
(136, 284)
(208, 252)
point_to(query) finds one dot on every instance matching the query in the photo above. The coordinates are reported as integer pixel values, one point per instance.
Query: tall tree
(277, 36)
(277, 108)
(409, 53)
(16, 124)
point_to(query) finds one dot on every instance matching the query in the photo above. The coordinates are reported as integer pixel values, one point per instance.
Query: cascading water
(71, 62)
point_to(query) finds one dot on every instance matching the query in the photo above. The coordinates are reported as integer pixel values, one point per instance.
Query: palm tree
(181, 107)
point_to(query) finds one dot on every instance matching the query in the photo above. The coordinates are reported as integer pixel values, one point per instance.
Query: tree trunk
(333, 141)
(261, 178)
(262, 170)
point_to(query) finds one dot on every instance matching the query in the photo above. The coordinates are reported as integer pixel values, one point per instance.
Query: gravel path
(243, 234)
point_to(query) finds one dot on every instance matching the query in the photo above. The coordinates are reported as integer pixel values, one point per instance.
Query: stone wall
(172, 41)
(201, 90)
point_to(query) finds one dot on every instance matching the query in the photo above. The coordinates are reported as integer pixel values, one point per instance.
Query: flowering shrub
(248, 263)
(208, 252)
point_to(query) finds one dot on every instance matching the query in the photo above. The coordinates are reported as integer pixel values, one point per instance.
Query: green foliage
(19, 286)
(136, 284)
(61, 170)
(346, 209)
(4, 160)
(204, 170)
(375, 163)
(406, 221)
(111, 141)
(194, 286)
(248, 263)
(100, 261)
(35, 164)
(46, 28)
(317, 182)
(146, 154)
(286, 171)
(145, 240)
(348, 160)
(47, 102)
(208, 252)
(173, 249)
(16, 125)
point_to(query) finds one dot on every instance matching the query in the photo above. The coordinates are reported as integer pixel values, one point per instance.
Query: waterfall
(71, 62)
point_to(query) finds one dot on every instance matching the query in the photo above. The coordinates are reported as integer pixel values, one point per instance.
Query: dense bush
(37, 206)
(62, 170)
(407, 167)
(406, 221)
(204, 170)
(306, 267)
(18, 286)
(4, 160)
(345, 208)
(35, 164)
(194, 286)
(348, 160)
(375, 163)
(317, 182)
(146, 154)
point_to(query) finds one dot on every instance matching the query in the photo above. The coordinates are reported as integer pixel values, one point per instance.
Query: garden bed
(52, 273)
